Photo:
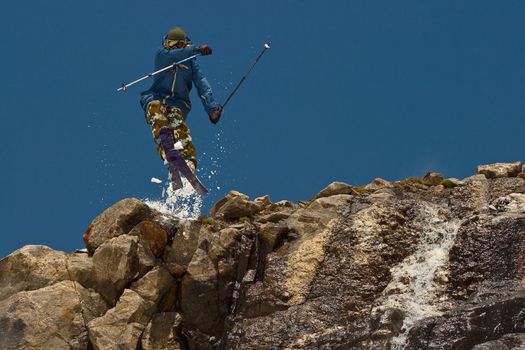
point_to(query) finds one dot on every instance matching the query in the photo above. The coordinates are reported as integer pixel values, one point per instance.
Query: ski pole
(124, 87)
(266, 47)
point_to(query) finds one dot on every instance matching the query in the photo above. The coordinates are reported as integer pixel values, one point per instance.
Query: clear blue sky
(351, 90)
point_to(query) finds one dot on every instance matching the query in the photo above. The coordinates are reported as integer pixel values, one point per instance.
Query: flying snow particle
(155, 180)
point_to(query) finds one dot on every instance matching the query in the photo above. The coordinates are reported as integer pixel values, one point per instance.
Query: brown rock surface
(377, 184)
(162, 332)
(179, 254)
(116, 265)
(496, 309)
(199, 295)
(122, 326)
(507, 342)
(236, 205)
(415, 264)
(52, 317)
(153, 234)
(154, 285)
(432, 179)
(333, 189)
(31, 267)
(117, 220)
(495, 170)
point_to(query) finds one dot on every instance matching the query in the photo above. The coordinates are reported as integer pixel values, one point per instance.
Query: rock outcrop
(423, 263)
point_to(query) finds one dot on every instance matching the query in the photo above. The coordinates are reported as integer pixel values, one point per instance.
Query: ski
(177, 165)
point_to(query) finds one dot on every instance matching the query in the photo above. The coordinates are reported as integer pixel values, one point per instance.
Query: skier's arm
(187, 51)
(204, 89)
(176, 54)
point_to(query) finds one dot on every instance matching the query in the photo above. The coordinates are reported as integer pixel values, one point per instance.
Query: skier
(167, 103)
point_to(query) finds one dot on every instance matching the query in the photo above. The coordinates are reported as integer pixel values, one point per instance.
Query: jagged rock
(80, 269)
(321, 297)
(274, 217)
(235, 205)
(154, 285)
(501, 187)
(290, 270)
(270, 234)
(170, 258)
(514, 203)
(521, 175)
(196, 340)
(179, 254)
(432, 179)
(168, 223)
(31, 267)
(153, 234)
(377, 184)
(221, 243)
(115, 221)
(506, 342)
(308, 231)
(472, 196)
(162, 332)
(145, 256)
(487, 248)
(52, 317)
(333, 202)
(495, 310)
(223, 201)
(122, 326)
(333, 189)
(263, 200)
(387, 322)
(284, 203)
(170, 299)
(239, 226)
(495, 170)
(199, 295)
(115, 265)
(207, 289)
(434, 265)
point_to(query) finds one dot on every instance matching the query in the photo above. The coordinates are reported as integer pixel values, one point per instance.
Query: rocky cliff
(424, 263)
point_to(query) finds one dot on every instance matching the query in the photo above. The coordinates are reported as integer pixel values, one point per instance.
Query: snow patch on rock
(183, 203)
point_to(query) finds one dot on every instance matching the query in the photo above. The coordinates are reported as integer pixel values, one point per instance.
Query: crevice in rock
(80, 301)
(247, 268)
(282, 238)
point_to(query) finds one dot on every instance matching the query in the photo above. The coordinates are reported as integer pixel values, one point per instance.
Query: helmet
(176, 33)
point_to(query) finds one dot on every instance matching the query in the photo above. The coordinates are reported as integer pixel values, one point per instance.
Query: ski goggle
(176, 43)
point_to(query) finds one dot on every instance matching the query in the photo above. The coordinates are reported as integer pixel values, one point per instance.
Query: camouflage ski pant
(159, 115)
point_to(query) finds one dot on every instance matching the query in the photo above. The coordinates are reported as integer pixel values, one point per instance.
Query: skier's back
(167, 103)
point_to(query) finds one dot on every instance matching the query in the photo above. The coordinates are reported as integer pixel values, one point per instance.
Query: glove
(215, 115)
(204, 49)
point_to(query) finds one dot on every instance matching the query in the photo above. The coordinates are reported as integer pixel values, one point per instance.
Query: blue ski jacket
(173, 86)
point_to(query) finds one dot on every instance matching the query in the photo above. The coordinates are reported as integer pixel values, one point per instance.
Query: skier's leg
(181, 133)
(156, 118)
